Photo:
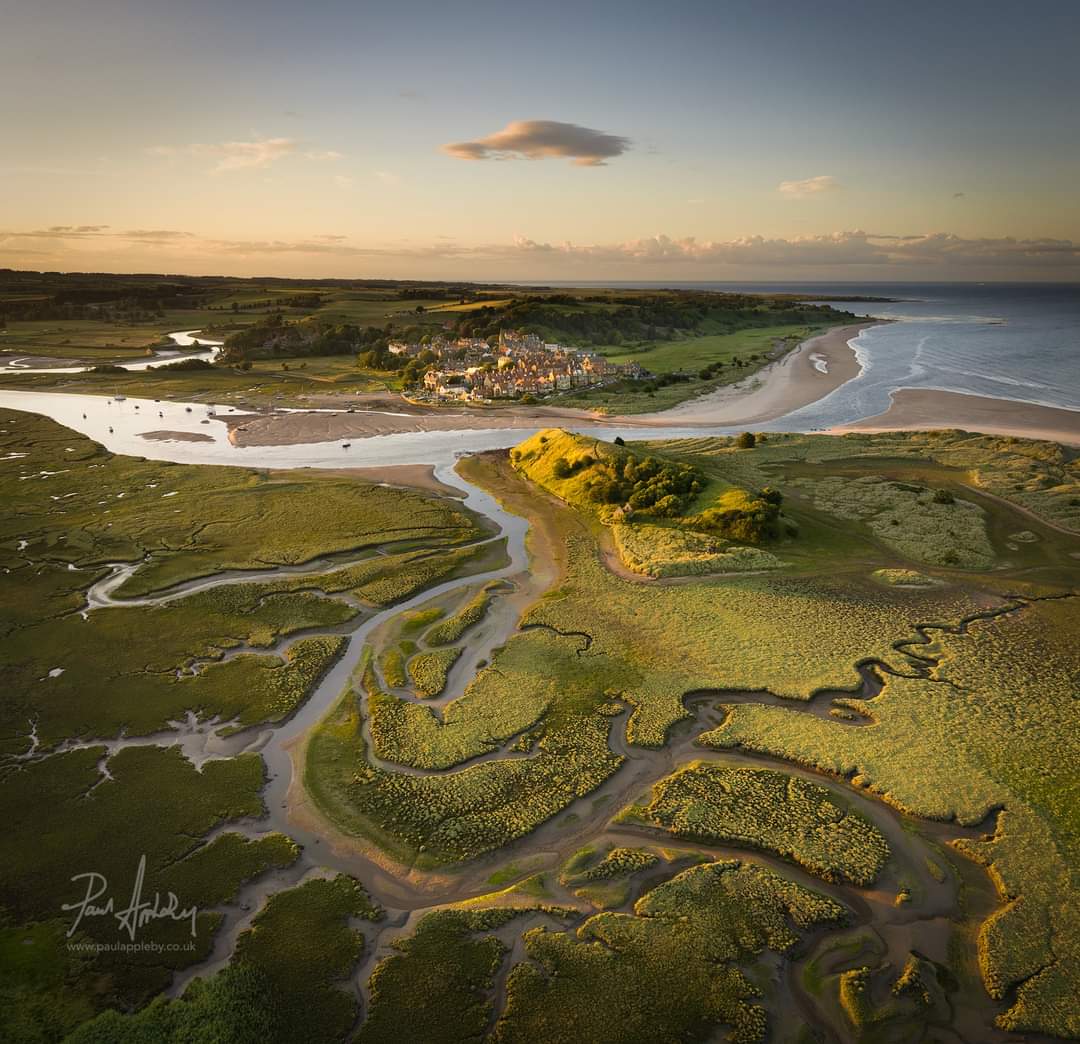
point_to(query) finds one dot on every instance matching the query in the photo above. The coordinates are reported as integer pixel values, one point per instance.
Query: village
(521, 364)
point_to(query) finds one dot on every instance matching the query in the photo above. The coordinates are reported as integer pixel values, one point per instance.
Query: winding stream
(204, 348)
(921, 923)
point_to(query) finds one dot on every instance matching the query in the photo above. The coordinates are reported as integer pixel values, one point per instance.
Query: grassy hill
(668, 517)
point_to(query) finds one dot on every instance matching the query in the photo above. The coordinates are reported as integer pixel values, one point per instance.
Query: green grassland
(94, 341)
(435, 988)
(296, 382)
(662, 551)
(597, 640)
(991, 727)
(245, 652)
(777, 813)
(605, 882)
(428, 820)
(75, 503)
(283, 984)
(428, 670)
(923, 525)
(695, 353)
(74, 507)
(668, 517)
(672, 970)
(454, 627)
(972, 720)
(65, 815)
(1040, 477)
(792, 635)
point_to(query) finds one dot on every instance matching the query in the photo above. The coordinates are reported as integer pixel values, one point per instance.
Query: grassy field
(671, 970)
(712, 339)
(1007, 744)
(64, 816)
(695, 353)
(662, 942)
(232, 652)
(289, 382)
(769, 810)
(286, 982)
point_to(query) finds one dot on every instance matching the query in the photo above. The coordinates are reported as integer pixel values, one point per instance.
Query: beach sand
(915, 409)
(810, 372)
(417, 476)
(175, 436)
(815, 369)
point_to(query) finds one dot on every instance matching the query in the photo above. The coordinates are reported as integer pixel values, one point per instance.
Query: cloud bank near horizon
(543, 139)
(75, 246)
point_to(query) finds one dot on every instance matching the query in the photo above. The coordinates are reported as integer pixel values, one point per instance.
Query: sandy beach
(915, 409)
(811, 371)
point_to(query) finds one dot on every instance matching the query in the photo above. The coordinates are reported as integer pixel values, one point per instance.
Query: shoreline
(812, 370)
(921, 409)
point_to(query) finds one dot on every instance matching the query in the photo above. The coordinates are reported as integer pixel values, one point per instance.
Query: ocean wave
(968, 320)
(998, 379)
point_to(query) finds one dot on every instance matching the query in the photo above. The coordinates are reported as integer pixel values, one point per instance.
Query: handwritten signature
(136, 914)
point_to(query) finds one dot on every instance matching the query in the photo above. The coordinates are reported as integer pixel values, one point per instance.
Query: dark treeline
(626, 321)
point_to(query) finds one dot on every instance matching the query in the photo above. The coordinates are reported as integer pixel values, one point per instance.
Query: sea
(1017, 341)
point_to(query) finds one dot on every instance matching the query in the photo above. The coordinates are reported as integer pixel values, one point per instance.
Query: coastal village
(470, 369)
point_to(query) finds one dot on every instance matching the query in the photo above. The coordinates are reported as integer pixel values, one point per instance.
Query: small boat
(346, 445)
(110, 431)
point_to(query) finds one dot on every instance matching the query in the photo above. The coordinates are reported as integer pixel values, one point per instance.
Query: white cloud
(808, 186)
(388, 177)
(245, 155)
(542, 139)
(344, 182)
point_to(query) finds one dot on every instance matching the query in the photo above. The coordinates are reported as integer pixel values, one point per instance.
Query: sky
(729, 139)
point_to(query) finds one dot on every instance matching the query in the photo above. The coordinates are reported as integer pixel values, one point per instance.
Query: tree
(746, 440)
(561, 468)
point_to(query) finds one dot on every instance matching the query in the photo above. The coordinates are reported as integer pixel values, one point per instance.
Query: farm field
(607, 798)
(690, 343)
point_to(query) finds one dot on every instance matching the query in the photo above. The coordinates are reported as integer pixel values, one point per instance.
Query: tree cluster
(649, 485)
(749, 523)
